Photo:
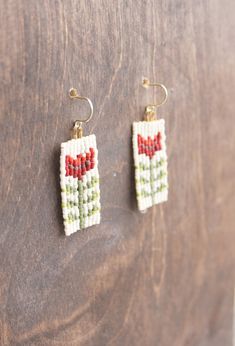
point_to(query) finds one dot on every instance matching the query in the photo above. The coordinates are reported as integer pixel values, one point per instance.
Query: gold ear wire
(151, 110)
(77, 131)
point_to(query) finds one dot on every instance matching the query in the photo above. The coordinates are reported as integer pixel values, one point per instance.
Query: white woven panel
(79, 179)
(149, 145)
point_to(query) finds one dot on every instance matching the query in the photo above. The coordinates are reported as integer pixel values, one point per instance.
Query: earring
(150, 156)
(79, 176)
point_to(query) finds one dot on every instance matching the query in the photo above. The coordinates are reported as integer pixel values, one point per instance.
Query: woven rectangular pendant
(150, 158)
(79, 180)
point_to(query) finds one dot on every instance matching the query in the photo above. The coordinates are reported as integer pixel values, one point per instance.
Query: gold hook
(151, 110)
(77, 128)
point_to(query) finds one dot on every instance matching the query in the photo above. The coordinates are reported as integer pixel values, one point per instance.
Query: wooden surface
(164, 278)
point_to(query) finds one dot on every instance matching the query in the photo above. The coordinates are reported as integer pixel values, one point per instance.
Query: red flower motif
(78, 167)
(149, 146)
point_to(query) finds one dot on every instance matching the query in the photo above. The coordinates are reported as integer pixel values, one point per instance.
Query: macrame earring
(79, 177)
(150, 158)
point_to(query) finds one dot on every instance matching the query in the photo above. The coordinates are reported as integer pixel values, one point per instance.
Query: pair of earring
(79, 174)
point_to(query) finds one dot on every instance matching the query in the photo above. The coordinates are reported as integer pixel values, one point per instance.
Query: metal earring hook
(151, 110)
(77, 128)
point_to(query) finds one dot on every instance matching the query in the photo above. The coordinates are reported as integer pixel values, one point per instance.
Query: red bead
(139, 139)
(80, 165)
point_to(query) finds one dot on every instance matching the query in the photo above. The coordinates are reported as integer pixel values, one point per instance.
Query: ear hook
(77, 129)
(151, 110)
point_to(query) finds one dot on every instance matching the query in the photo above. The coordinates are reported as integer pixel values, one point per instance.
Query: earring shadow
(132, 195)
(55, 169)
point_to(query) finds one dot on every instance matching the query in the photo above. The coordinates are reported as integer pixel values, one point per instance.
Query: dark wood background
(164, 278)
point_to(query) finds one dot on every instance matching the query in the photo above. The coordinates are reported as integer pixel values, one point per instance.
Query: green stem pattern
(80, 203)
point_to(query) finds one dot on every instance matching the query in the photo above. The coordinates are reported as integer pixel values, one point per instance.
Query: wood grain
(164, 278)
